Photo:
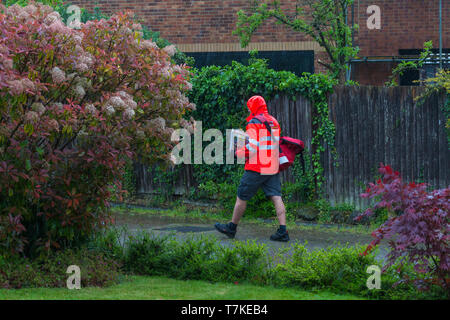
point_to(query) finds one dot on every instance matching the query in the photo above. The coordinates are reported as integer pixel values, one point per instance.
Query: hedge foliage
(115, 254)
(61, 7)
(75, 106)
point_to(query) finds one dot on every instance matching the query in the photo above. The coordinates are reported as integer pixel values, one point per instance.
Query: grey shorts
(251, 181)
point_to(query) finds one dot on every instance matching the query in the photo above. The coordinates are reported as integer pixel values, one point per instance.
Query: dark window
(409, 77)
(429, 68)
(294, 61)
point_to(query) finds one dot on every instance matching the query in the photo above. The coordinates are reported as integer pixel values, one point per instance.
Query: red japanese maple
(418, 232)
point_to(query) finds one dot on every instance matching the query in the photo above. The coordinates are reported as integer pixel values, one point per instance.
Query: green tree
(323, 20)
(410, 65)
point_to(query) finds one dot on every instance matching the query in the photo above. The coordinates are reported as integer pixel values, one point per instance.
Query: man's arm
(251, 145)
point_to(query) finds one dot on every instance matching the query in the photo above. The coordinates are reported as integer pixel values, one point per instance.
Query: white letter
(184, 145)
(235, 141)
(74, 281)
(74, 21)
(374, 21)
(198, 152)
(374, 281)
(216, 146)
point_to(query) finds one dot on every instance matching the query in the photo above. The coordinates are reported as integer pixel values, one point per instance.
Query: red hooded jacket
(262, 148)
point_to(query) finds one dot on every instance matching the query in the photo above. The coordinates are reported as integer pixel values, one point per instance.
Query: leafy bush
(75, 106)
(195, 258)
(109, 242)
(144, 254)
(380, 216)
(129, 179)
(50, 271)
(302, 189)
(26, 2)
(62, 8)
(339, 268)
(340, 213)
(344, 269)
(418, 231)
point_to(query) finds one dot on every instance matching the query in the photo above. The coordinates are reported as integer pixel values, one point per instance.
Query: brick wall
(207, 25)
(405, 24)
(191, 24)
(192, 21)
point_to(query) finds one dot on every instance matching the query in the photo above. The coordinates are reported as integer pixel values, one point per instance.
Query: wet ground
(183, 227)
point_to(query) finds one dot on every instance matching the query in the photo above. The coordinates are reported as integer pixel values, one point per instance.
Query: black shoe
(280, 236)
(225, 229)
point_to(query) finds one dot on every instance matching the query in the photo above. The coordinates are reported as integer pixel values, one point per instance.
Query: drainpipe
(440, 34)
(367, 59)
(347, 75)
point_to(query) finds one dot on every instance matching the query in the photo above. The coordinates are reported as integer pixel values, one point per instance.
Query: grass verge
(154, 288)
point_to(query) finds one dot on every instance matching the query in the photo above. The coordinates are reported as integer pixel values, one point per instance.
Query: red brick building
(203, 28)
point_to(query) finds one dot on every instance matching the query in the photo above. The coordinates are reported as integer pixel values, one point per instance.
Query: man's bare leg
(279, 209)
(230, 228)
(239, 209)
(281, 234)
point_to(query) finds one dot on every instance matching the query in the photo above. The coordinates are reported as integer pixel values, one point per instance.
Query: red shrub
(419, 232)
(75, 105)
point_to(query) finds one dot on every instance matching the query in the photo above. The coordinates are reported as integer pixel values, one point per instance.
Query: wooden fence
(373, 125)
(384, 125)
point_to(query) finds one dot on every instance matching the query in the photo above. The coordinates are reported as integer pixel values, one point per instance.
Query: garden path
(318, 236)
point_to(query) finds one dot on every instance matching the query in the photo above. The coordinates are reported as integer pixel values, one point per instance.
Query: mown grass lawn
(140, 287)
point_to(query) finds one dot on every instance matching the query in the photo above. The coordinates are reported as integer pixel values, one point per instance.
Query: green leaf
(28, 164)
(28, 129)
(40, 151)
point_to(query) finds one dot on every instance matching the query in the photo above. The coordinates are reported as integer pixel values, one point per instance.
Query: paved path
(182, 228)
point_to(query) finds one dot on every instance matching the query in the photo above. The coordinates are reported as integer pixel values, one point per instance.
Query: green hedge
(97, 269)
(115, 253)
(340, 269)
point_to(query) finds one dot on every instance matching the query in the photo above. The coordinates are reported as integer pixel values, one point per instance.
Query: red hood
(256, 105)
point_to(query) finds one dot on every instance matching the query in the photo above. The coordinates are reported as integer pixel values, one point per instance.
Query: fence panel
(385, 125)
(373, 125)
